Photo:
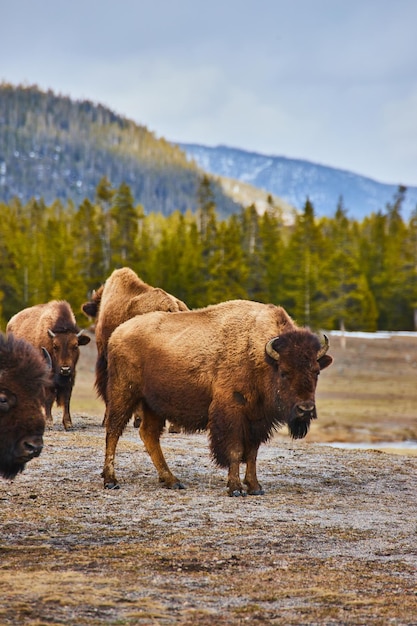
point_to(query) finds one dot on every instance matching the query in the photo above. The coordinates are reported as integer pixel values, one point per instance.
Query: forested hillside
(325, 271)
(52, 147)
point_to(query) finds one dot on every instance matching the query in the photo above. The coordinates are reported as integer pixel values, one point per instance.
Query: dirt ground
(332, 541)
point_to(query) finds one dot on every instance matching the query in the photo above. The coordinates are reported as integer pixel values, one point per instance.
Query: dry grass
(333, 541)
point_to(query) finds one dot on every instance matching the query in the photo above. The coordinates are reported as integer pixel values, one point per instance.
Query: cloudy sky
(331, 81)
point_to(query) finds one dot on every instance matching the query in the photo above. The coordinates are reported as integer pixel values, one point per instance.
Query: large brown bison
(239, 369)
(122, 296)
(24, 376)
(52, 327)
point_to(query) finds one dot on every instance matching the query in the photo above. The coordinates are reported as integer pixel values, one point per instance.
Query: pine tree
(125, 227)
(301, 268)
(87, 233)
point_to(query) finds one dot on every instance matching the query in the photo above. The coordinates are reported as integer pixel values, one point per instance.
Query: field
(332, 541)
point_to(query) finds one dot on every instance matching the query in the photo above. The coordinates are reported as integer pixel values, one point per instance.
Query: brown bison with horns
(52, 327)
(239, 369)
(23, 378)
(123, 296)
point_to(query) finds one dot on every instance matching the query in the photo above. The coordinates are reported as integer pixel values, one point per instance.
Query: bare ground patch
(332, 541)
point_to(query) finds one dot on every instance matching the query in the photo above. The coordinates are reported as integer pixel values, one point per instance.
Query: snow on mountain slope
(294, 180)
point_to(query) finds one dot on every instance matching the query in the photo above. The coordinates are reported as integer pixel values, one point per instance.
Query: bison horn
(50, 333)
(270, 350)
(80, 333)
(324, 347)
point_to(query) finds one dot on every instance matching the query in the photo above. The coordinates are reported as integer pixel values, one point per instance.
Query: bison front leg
(150, 430)
(234, 485)
(49, 401)
(251, 480)
(63, 397)
(226, 444)
(66, 417)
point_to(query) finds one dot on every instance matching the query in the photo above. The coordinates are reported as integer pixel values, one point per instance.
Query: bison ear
(325, 361)
(83, 340)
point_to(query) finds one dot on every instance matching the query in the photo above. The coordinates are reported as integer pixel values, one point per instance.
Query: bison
(239, 369)
(122, 296)
(52, 327)
(24, 375)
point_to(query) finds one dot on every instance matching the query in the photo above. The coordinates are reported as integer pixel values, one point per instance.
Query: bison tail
(101, 377)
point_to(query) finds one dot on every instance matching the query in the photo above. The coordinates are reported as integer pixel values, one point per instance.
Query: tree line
(328, 273)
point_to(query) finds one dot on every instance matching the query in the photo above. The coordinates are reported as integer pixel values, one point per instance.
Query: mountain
(294, 180)
(54, 147)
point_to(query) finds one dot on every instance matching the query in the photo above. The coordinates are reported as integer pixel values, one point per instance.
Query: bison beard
(299, 426)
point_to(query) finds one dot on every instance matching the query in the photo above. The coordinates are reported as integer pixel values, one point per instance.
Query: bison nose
(65, 370)
(305, 407)
(33, 446)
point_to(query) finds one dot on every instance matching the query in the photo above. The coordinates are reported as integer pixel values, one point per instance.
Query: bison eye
(3, 398)
(284, 374)
(7, 401)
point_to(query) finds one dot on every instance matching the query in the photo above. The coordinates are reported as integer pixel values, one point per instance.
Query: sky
(329, 81)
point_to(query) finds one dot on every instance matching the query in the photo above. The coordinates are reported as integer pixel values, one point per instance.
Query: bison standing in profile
(24, 375)
(239, 369)
(123, 296)
(52, 327)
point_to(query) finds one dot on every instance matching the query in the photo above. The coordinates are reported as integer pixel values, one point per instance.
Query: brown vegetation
(333, 540)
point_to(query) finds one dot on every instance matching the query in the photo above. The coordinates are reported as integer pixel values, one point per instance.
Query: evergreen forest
(328, 273)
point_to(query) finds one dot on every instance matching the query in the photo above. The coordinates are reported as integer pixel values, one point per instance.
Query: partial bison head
(24, 375)
(92, 307)
(64, 351)
(298, 356)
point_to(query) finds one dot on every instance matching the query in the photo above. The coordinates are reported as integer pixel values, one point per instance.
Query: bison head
(65, 353)
(23, 379)
(298, 356)
(22, 438)
(92, 307)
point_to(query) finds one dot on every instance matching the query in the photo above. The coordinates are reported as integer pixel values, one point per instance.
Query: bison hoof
(113, 485)
(256, 492)
(176, 485)
(236, 493)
